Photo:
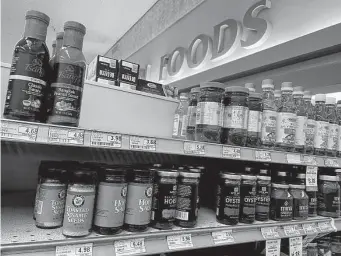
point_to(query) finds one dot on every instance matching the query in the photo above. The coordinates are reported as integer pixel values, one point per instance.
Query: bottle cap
(183, 95)
(286, 86)
(60, 35)
(307, 94)
(75, 26)
(36, 25)
(330, 100)
(237, 89)
(277, 93)
(320, 97)
(32, 14)
(213, 85)
(195, 89)
(298, 90)
(268, 83)
(250, 86)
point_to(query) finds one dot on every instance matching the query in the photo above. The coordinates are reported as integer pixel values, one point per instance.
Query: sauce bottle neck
(73, 38)
(35, 28)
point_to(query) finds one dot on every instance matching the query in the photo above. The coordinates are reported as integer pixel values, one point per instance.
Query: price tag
(311, 178)
(230, 152)
(262, 155)
(331, 162)
(273, 247)
(222, 237)
(142, 143)
(194, 148)
(102, 139)
(65, 136)
(327, 226)
(291, 230)
(294, 159)
(179, 242)
(18, 131)
(309, 160)
(310, 228)
(295, 244)
(308, 239)
(74, 250)
(270, 233)
(129, 247)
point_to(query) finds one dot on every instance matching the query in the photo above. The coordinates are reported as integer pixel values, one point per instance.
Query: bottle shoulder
(71, 55)
(32, 46)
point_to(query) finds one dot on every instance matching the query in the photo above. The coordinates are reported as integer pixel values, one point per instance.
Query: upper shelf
(37, 133)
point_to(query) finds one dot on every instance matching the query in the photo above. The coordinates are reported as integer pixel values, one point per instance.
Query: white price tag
(65, 136)
(103, 139)
(294, 159)
(295, 244)
(142, 143)
(231, 152)
(270, 233)
(331, 162)
(129, 247)
(291, 230)
(18, 131)
(74, 250)
(310, 228)
(327, 226)
(223, 237)
(273, 247)
(179, 242)
(194, 148)
(264, 156)
(311, 178)
(309, 160)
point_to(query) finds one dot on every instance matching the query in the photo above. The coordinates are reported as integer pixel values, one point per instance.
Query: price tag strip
(311, 178)
(194, 148)
(273, 247)
(19, 131)
(222, 237)
(179, 241)
(74, 250)
(129, 247)
(262, 155)
(65, 136)
(103, 139)
(331, 162)
(142, 143)
(270, 233)
(309, 160)
(292, 230)
(294, 159)
(295, 246)
(310, 228)
(231, 152)
(327, 226)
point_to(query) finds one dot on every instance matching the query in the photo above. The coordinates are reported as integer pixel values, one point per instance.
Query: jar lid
(298, 90)
(195, 90)
(237, 89)
(189, 174)
(278, 93)
(320, 97)
(202, 168)
(263, 171)
(297, 186)
(83, 174)
(328, 178)
(330, 100)
(255, 95)
(54, 173)
(250, 87)
(212, 85)
(163, 173)
(267, 178)
(249, 177)
(60, 35)
(75, 26)
(276, 185)
(307, 94)
(32, 14)
(231, 176)
(268, 83)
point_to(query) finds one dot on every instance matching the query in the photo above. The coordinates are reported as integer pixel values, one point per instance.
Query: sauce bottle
(322, 125)
(192, 113)
(68, 77)
(58, 46)
(310, 125)
(300, 109)
(333, 127)
(53, 48)
(28, 80)
(180, 118)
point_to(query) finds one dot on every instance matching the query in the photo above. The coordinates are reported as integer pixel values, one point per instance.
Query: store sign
(227, 37)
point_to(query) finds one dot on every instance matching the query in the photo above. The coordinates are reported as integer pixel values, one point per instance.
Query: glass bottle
(278, 96)
(269, 119)
(180, 118)
(322, 125)
(333, 127)
(250, 86)
(255, 120)
(53, 48)
(301, 112)
(192, 113)
(68, 77)
(310, 125)
(58, 46)
(28, 79)
(338, 117)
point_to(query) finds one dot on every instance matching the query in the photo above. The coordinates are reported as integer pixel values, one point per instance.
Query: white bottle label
(300, 130)
(310, 133)
(209, 113)
(176, 125)
(269, 120)
(253, 124)
(321, 134)
(333, 136)
(286, 125)
(192, 114)
(234, 117)
(184, 125)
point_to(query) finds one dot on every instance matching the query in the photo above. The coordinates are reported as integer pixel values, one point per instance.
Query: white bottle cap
(268, 83)
(307, 95)
(286, 86)
(331, 100)
(320, 97)
(298, 90)
(250, 86)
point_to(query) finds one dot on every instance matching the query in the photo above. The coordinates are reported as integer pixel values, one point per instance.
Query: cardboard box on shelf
(150, 87)
(103, 70)
(128, 72)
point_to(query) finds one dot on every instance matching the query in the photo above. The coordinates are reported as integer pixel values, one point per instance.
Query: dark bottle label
(281, 209)
(228, 203)
(263, 202)
(186, 205)
(300, 208)
(328, 202)
(67, 89)
(247, 203)
(312, 204)
(164, 202)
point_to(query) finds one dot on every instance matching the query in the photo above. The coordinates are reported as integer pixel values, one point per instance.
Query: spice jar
(235, 118)
(328, 196)
(111, 200)
(164, 199)
(263, 198)
(228, 199)
(187, 199)
(192, 113)
(80, 200)
(139, 200)
(248, 199)
(254, 123)
(209, 112)
(300, 211)
(281, 202)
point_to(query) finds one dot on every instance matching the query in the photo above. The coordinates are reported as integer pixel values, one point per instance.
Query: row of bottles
(41, 89)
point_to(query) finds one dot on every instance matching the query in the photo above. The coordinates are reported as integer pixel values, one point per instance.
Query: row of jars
(239, 116)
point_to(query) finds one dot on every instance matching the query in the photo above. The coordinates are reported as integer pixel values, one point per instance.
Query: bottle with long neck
(338, 116)
(322, 125)
(310, 125)
(53, 48)
(58, 46)
(333, 126)
(180, 118)
(301, 112)
(278, 95)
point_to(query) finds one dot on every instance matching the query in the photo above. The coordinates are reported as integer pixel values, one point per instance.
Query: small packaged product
(103, 70)
(150, 87)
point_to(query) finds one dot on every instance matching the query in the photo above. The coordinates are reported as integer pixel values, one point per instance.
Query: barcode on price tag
(311, 178)
(179, 241)
(262, 155)
(129, 246)
(194, 148)
(18, 131)
(65, 136)
(309, 160)
(231, 152)
(74, 250)
(222, 237)
(291, 230)
(142, 143)
(331, 162)
(273, 247)
(270, 233)
(294, 159)
(327, 226)
(310, 228)
(102, 139)
(295, 244)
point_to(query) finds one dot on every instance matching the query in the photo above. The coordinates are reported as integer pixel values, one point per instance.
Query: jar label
(228, 202)
(248, 202)
(139, 203)
(310, 133)
(300, 131)
(50, 204)
(209, 113)
(268, 132)
(328, 200)
(286, 125)
(187, 202)
(254, 121)
(235, 117)
(301, 207)
(176, 125)
(263, 201)
(192, 114)
(333, 137)
(281, 209)
(164, 202)
(111, 204)
(321, 134)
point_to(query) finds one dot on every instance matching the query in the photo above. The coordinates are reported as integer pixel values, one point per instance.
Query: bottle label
(209, 113)
(111, 204)
(164, 202)
(176, 125)
(312, 202)
(248, 202)
(192, 114)
(235, 117)
(268, 132)
(67, 88)
(300, 130)
(321, 134)
(281, 209)
(184, 125)
(310, 133)
(328, 201)
(228, 202)
(254, 121)
(333, 137)
(301, 208)
(187, 202)
(139, 204)
(263, 201)
(286, 125)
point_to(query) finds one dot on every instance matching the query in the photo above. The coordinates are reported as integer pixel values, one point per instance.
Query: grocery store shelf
(37, 133)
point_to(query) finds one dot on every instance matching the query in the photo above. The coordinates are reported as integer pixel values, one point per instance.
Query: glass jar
(338, 117)
(209, 112)
(263, 198)
(139, 200)
(80, 201)
(322, 125)
(247, 212)
(181, 118)
(228, 199)
(328, 196)
(254, 123)
(235, 117)
(192, 113)
(164, 199)
(301, 202)
(111, 200)
(187, 199)
(300, 179)
(281, 203)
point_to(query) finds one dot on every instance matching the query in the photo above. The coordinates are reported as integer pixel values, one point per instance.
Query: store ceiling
(106, 21)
